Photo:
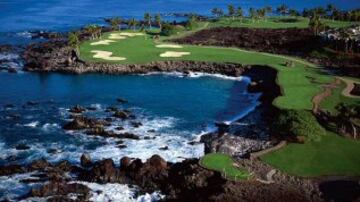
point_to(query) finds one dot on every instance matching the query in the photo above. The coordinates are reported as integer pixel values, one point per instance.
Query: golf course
(300, 83)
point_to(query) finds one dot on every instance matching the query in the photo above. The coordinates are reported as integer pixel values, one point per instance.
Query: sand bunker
(106, 55)
(102, 42)
(173, 54)
(116, 36)
(168, 46)
(130, 34)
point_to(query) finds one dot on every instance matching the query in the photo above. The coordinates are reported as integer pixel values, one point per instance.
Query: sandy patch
(173, 54)
(116, 36)
(130, 34)
(168, 46)
(106, 55)
(102, 42)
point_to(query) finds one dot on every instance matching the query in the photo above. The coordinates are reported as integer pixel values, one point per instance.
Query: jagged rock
(82, 122)
(164, 148)
(40, 164)
(22, 147)
(124, 163)
(121, 114)
(233, 145)
(85, 160)
(77, 109)
(55, 188)
(136, 124)
(129, 136)
(11, 169)
(100, 131)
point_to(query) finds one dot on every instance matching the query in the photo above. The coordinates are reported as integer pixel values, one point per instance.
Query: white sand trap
(106, 55)
(102, 42)
(168, 46)
(173, 54)
(130, 34)
(116, 36)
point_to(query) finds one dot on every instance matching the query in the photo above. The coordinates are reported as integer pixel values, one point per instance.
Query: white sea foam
(50, 127)
(11, 187)
(32, 124)
(118, 192)
(200, 74)
(9, 56)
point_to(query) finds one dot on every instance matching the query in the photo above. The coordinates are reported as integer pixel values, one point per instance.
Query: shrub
(168, 30)
(295, 123)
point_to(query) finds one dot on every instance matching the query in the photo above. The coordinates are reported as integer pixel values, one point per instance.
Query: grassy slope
(274, 23)
(224, 163)
(333, 155)
(309, 159)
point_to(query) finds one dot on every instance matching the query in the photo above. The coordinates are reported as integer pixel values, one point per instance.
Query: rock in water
(85, 160)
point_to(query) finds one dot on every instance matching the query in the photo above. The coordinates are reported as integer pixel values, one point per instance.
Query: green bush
(299, 123)
(168, 30)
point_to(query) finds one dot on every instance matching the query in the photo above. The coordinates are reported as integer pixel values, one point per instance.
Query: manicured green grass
(224, 164)
(297, 89)
(333, 155)
(275, 23)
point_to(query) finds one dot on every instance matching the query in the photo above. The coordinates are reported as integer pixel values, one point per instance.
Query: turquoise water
(178, 108)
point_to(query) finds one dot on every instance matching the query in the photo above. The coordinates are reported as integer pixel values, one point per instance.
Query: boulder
(125, 162)
(157, 162)
(121, 114)
(77, 109)
(22, 147)
(129, 136)
(85, 160)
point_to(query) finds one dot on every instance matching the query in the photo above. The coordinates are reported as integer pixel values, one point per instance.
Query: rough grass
(275, 23)
(224, 164)
(333, 155)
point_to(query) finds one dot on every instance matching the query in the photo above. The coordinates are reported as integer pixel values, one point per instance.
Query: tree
(231, 11)
(282, 9)
(73, 40)
(115, 23)
(315, 24)
(133, 23)
(294, 13)
(252, 14)
(320, 11)
(147, 19)
(158, 20)
(261, 13)
(217, 12)
(240, 13)
(94, 31)
(168, 29)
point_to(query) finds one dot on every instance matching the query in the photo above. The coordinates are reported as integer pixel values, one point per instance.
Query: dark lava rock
(121, 146)
(91, 108)
(9, 106)
(82, 122)
(12, 70)
(151, 131)
(111, 109)
(121, 114)
(32, 103)
(120, 128)
(22, 147)
(157, 162)
(102, 172)
(108, 119)
(77, 109)
(100, 131)
(120, 142)
(53, 151)
(164, 148)
(11, 169)
(40, 164)
(124, 163)
(356, 90)
(85, 160)
(129, 136)
(136, 124)
(55, 188)
(121, 100)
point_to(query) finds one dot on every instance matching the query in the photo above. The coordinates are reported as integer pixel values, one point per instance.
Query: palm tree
(133, 23)
(158, 20)
(252, 14)
(147, 18)
(315, 24)
(282, 9)
(240, 13)
(217, 12)
(115, 23)
(231, 11)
